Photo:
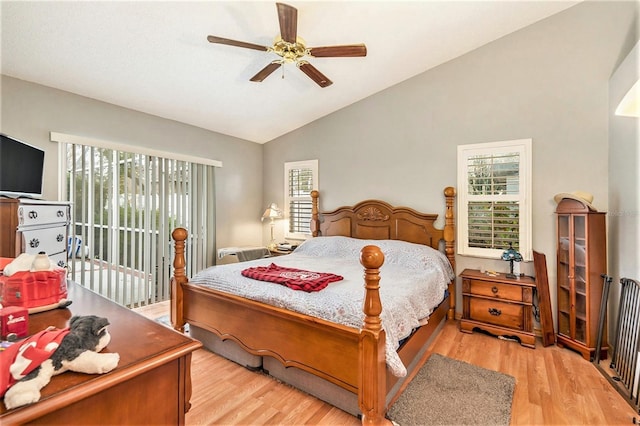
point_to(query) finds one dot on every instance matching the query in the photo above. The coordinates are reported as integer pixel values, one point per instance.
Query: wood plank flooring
(553, 386)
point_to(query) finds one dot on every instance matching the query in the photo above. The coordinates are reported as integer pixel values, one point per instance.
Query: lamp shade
(511, 254)
(272, 212)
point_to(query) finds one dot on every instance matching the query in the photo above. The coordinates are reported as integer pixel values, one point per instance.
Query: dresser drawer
(59, 259)
(50, 240)
(38, 215)
(497, 313)
(497, 290)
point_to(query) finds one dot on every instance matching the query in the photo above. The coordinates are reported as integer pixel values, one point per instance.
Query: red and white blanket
(296, 279)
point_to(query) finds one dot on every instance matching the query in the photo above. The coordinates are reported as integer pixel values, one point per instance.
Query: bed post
(372, 375)
(449, 245)
(179, 235)
(315, 222)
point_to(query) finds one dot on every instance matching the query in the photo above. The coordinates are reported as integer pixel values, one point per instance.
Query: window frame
(524, 148)
(290, 165)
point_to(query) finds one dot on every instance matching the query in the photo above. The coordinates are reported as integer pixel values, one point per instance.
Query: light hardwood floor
(553, 386)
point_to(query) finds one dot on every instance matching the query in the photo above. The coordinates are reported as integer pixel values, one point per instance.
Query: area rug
(166, 321)
(450, 392)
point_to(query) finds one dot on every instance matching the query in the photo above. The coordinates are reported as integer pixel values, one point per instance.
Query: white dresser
(41, 226)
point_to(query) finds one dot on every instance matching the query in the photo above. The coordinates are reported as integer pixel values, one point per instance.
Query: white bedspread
(413, 282)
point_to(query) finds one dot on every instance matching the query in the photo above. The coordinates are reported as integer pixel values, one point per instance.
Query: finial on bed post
(372, 375)
(315, 222)
(179, 235)
(372, 258)
(449, 242)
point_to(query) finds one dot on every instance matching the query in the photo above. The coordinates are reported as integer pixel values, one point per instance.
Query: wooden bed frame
(353, 359)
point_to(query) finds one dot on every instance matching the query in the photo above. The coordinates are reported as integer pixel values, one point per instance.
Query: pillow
(337, 246)
(413, 256)
(402, 253)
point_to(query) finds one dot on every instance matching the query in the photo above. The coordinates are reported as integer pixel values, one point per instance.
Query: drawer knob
(494, 289)
(33, 214)
(59, 238)
(34, 243)
(495, 312)
(61, 263)
(60, 213)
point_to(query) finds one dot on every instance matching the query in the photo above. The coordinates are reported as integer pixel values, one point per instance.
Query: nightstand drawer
(496, 290)
(498, 313)
(59, 259)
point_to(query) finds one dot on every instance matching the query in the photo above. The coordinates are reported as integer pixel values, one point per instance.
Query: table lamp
(272, 212)
(511, 255)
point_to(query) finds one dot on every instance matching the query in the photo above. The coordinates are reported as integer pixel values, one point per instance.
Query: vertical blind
(493, 200)
(125, 206)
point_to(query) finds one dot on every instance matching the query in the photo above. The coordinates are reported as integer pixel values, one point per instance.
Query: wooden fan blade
(229, 42)
(265, 72)
(288, 17)
(314, 74)
(349, 50)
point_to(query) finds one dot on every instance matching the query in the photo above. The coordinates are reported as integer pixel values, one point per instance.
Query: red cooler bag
(34, 289)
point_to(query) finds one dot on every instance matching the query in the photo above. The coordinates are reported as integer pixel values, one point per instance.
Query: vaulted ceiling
(154, 56)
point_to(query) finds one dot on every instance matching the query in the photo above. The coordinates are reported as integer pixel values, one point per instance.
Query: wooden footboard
(351, 358)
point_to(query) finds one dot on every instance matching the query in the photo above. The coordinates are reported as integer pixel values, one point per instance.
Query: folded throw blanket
(296, 279)
(252, 254)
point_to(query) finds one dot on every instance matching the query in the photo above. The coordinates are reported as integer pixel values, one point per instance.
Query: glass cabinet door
(564, 273)
(580, 276)
(581, 258)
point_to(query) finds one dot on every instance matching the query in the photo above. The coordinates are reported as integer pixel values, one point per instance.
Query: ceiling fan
(292, 48)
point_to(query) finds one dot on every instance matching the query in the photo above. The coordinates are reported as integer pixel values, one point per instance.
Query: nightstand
(499, 305)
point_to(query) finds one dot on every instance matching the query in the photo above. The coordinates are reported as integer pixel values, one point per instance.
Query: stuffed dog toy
(32, 362)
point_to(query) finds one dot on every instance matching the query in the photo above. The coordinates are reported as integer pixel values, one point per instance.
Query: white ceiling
(154, 57)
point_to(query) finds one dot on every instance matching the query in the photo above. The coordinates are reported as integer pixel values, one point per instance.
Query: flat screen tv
(21, 168)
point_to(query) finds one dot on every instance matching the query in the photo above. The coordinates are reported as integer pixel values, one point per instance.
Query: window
(494, 201)
(301, 177)
(125, 206)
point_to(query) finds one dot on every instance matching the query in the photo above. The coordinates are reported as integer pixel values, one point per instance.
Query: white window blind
(494, 209)
(301, 177)
(125, 206)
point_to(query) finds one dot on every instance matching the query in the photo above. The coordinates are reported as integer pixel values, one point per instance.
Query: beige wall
(624, 182)
(30, 111)
(548, 82)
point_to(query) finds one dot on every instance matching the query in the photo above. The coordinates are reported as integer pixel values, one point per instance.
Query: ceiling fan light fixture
(290, 52)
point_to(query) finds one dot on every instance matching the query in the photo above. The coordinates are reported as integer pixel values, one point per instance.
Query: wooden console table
(151, 385)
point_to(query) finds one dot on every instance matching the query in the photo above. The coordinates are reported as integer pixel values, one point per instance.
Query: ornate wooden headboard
(378, 220)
